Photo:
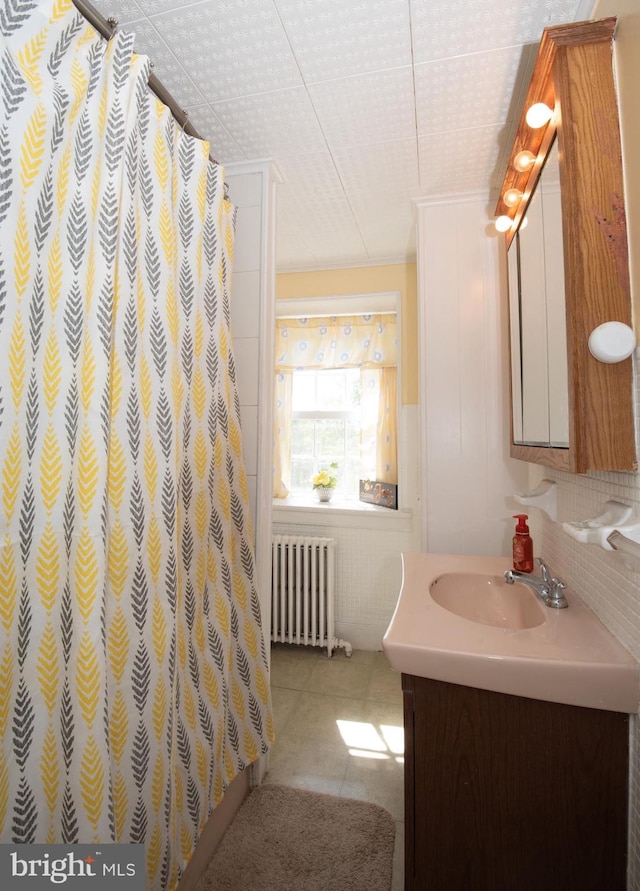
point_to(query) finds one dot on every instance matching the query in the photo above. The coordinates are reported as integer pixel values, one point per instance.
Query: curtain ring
(113, 22)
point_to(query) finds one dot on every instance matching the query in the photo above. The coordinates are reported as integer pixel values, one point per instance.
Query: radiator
(303, 592)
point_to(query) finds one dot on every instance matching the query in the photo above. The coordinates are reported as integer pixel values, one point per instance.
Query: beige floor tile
(311, 694)
(385, 712)
(381, 782)
(291, 671)
(284, 702)
(345, 678)
(316, 766)
(380, 660)
(316, 717)
(385, 685)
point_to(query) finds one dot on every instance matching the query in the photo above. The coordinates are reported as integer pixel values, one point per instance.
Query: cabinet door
(505, 792)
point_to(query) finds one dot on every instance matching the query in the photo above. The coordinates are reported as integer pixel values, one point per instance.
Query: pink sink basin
(488, 599)
(457, 621)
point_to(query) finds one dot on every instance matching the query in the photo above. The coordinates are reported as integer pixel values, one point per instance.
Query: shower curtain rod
(108, 27)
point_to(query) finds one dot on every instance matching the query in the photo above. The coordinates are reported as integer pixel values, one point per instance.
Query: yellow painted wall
(400, 277)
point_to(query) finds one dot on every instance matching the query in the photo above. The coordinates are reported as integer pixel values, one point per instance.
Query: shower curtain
(133, 670)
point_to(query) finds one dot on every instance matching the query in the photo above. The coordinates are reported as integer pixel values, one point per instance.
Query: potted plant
(325, 481)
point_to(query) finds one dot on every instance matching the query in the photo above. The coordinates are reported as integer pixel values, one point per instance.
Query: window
(329, 423)
(336, 392)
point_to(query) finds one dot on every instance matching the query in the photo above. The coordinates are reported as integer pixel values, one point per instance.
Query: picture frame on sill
(382, 494)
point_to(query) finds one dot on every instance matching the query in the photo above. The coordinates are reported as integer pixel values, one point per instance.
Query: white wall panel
(252, 190)
(463, 344)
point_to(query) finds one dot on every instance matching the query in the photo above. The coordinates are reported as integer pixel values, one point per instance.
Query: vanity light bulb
(538, 115)
(524, 160)
(511, 197)
(503, 223)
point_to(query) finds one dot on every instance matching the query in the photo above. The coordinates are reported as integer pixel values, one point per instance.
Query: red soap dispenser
(522, 545)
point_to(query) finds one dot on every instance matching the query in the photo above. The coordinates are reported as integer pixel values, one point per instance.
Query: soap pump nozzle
(521, 525)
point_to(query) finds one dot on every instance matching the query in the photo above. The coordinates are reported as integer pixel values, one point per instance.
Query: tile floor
(339, 729)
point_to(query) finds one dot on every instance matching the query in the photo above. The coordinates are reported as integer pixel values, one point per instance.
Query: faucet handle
(544, 569)
(557, 598)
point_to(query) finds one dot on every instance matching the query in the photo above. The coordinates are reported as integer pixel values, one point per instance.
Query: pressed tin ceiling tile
(362, 104)
(366, 108)
(389, 233)
(334, 38)
(467, 91)
(392, 166)
(458, 160)
(124, 11)
(447, 28)
(272, 124)
(223, 147)
(232, 49)
(166, 66)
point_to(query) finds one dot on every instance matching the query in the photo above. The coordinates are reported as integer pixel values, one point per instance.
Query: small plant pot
(324, 493)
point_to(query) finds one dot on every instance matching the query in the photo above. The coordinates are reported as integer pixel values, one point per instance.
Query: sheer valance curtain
(368, 342)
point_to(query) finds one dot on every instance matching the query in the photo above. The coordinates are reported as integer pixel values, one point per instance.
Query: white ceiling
(362, 104)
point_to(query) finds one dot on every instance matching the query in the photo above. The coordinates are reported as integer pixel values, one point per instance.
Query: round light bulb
(538, 115)
(503, 223)
(524, 160)
(511, 197)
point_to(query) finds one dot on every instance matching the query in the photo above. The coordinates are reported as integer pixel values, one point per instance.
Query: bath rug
(285, 839)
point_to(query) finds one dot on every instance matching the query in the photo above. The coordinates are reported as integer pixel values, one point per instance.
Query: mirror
(540, 393)
(567, 259)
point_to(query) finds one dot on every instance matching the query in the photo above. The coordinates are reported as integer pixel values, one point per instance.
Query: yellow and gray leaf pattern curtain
(368, 342)
(133, 670)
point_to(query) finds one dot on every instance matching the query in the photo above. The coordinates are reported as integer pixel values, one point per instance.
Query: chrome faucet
(548, 589)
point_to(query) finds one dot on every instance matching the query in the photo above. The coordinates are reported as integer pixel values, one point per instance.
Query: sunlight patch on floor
(365, 741)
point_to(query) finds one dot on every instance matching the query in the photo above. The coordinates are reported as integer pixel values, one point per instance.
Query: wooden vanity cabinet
(504, 793)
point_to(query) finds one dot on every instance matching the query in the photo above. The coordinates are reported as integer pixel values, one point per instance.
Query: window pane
(331, 390)
(303, 393)
(302, 470)
(329, 440)
(349, 440)
(302, 437)
(354, 388)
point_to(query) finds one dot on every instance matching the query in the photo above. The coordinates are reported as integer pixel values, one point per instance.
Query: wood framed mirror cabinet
(594, 429)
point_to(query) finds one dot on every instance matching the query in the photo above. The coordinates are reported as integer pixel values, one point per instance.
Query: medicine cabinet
(567, 260)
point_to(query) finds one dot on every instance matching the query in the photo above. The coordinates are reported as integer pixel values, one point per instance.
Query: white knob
(612, 342)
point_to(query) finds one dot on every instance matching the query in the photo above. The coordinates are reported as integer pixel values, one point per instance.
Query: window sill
(307, 511)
